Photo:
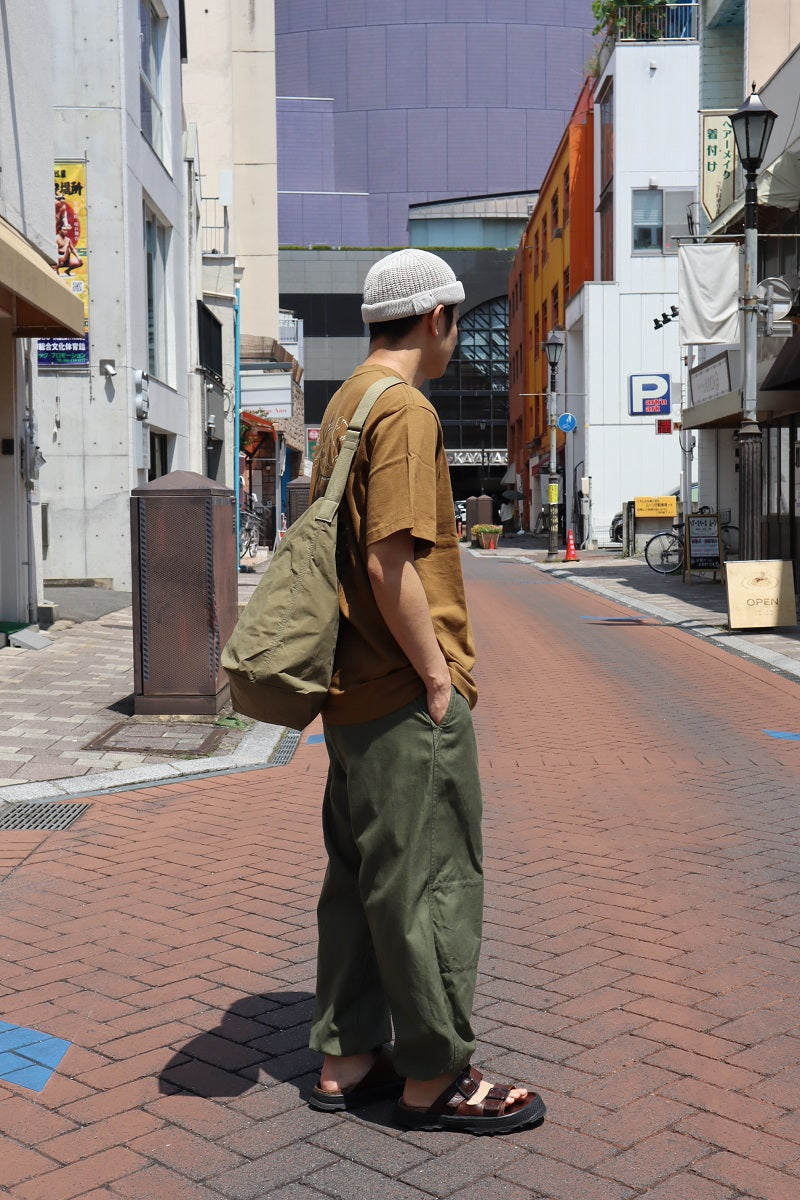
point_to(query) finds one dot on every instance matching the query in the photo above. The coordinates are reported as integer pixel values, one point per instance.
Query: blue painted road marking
(784, 736)
(29, 1057)
(314, 739)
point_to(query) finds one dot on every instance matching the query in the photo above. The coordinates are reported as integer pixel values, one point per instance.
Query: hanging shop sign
(717, 162)
(72, 251)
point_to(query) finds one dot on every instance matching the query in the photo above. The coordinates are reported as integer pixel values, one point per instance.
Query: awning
(42, 305)
(778, 187)
(726, 411)
(257, 422)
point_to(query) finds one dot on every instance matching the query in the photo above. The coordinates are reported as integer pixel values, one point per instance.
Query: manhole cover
(168, 739)
(40, 815)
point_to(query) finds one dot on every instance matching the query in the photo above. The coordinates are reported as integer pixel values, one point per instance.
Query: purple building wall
(390, 102)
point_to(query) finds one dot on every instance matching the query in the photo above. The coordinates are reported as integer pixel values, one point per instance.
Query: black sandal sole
(344, 1102)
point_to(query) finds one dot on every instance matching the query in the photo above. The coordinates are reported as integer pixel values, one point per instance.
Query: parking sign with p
(648, 395)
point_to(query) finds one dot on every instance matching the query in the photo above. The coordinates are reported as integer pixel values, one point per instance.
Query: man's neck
(406, 361)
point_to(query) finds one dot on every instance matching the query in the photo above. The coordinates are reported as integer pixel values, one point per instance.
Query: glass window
(606, 137)
(677, 203)
(156, 249)
(537, 337)
(476, 381)
(544, 236)
(648, 220)
(545, 325)
(566, 195)
(554, 209)
(566, 286)
(607, 237)
(554, 298)
(151, 30)
(536, 255)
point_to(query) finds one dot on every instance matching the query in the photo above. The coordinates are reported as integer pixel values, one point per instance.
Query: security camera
(107, 367)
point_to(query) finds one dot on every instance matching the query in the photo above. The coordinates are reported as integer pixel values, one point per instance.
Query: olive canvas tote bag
(279, 659)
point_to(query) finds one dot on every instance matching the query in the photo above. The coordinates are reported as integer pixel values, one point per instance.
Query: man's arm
(403, 605)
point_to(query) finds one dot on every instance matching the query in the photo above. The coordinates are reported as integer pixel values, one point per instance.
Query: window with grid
(566, 286)
(554, 298)
(152, 28)
(566, 195)
(544, 237)
(475, 384)
(554, 210)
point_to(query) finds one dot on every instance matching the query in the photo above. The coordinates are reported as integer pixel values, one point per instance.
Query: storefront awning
(257, 422)
(40, 303)
(726, 411)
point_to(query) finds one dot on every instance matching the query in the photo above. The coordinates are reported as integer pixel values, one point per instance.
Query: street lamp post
(752, 126)
(552, 348)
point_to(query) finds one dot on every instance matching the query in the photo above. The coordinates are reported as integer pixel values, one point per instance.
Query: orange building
(554, 259)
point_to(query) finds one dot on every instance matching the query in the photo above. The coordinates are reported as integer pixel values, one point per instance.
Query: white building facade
(130, 413)
(646, 173)
(33, 302)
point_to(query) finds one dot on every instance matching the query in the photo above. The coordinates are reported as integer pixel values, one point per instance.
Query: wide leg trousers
(401, 906)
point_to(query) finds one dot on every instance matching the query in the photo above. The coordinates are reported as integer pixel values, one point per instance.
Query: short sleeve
(401, 492)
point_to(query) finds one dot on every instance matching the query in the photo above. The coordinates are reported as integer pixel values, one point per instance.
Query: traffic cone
(571, 556)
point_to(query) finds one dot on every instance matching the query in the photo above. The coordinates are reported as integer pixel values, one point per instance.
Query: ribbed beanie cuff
(408, 283)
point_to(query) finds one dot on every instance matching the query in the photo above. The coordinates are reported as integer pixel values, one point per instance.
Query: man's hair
(394, 332)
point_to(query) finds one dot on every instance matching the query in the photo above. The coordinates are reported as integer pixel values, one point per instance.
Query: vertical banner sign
(72, 247)
(718, 162)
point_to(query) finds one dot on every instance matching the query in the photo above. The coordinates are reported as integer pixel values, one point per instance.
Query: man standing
(401, 905)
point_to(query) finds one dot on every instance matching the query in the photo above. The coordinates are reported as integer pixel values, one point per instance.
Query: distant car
(615, 532)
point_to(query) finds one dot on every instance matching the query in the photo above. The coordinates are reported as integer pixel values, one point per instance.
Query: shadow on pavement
(257, 1033)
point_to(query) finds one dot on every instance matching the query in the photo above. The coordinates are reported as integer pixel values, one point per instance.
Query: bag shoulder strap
(329, 503)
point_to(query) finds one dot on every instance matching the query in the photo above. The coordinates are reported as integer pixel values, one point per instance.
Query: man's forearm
(403, 605)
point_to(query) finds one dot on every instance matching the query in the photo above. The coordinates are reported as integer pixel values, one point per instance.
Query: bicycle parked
(250, 527)
(665, 551)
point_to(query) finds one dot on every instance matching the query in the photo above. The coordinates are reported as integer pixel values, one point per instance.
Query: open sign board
(703, 542)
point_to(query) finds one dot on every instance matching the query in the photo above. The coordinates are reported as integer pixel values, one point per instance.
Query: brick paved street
(640, 961)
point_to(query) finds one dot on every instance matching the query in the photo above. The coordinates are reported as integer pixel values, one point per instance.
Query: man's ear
(435, 318)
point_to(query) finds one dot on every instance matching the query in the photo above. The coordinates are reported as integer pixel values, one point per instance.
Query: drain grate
(40, 815)
(284, 751)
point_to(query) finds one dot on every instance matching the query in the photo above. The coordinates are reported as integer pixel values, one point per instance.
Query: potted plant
(487, 536)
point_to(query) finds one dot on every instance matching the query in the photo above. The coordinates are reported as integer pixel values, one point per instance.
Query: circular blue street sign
(566, 422)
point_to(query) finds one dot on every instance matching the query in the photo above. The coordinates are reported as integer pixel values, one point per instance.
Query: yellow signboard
(72, 250)
(552, 493)
(655, 506)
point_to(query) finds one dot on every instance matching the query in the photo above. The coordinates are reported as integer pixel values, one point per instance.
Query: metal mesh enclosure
(185, 590)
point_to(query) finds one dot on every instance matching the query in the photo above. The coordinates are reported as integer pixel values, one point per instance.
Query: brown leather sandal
(380, 1080)
(494, 1114)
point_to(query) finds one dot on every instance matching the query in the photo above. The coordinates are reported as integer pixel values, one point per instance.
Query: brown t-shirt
(399, 480)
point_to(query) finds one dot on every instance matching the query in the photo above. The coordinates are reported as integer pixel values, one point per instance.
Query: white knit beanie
(408, 283)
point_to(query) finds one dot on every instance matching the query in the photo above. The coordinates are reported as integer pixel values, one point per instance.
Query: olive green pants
(402, 902)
